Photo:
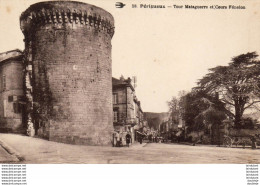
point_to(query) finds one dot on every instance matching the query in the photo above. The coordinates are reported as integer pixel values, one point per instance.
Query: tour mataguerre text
(153, 6)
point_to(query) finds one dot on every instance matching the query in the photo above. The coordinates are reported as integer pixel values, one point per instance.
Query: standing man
(128, 139)
(141, 139)
(253, 139)
(117, 139)
(114, 139)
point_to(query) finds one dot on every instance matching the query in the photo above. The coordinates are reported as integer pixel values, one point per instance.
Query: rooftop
(10, 55)
(122, 82)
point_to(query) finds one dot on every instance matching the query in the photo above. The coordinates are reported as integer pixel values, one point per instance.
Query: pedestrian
(120, 142)
(114, 139)
(253, 139)
(140, 139)
(117, 137)
(150, 138)
(128, 139)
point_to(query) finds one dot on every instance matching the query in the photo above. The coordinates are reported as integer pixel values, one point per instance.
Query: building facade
(139, 113)
(128, 114)
(11, 92)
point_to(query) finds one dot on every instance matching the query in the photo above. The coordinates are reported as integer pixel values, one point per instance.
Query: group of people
(122, 139)
(154, 139)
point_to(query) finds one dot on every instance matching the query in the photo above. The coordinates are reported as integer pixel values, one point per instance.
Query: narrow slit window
(115, 99)
(4, 82)
(115, 116)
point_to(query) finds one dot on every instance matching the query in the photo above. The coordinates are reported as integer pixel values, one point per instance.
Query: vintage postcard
(130, 82)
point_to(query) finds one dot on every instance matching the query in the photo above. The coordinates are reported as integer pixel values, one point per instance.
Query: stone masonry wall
(11, 121)
(68, 45)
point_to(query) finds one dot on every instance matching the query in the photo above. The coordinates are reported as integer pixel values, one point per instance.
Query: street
(5, 157)
(35, 150)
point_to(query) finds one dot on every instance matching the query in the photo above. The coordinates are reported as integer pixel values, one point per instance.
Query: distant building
(139, 113)
(128, 114)
(11, 92)
(165, 126)
(154, 120)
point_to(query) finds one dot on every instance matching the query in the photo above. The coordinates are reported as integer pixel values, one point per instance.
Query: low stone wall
(11, 125)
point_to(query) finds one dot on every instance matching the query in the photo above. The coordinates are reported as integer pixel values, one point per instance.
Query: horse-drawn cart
(241, 138)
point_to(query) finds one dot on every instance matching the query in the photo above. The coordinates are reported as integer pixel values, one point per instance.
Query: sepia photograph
(130, 82)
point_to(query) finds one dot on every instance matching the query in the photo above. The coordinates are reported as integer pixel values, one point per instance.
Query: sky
(169, 49)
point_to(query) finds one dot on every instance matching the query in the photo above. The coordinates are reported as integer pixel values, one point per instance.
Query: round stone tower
(68, 78)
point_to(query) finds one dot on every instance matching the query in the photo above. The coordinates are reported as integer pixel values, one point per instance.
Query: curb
(12, 152)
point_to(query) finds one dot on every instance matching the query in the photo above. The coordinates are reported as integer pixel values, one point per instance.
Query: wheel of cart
(240, 141)
(230, 141)
(227, 141)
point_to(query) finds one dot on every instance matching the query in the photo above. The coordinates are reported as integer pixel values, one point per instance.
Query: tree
(212, 115)
(248, 123)
(176, 106)
(174, 109)
(237, 84)
(201, 109)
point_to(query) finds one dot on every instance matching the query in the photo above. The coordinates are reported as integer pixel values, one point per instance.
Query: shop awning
(141, 133)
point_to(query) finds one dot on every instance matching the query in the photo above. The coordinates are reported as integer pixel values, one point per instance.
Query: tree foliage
(174, 109)
(201, 109)
(238, 84)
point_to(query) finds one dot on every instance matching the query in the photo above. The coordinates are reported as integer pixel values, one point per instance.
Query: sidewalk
(6, 156)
